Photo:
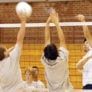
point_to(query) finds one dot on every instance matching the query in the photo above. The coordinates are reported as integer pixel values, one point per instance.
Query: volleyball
(25, 8)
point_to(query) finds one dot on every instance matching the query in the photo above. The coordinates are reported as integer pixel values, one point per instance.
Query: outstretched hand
(80, 17)
(22, 17)
(54, 17)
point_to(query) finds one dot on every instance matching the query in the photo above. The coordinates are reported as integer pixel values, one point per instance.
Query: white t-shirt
(87, 69)
(56, 72)
(10, 73)
(38, 84)
(29, 84)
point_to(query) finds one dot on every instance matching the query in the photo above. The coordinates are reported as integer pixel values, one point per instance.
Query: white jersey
(87, 70)
(56, 72)
(10, 73)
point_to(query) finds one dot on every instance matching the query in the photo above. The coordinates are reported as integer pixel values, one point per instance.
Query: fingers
(54, 14)
(53, 17)
(22, 16)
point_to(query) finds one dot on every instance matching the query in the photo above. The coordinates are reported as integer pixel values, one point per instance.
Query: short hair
(29, 70)
(84, 40)
(35, 72)
(36, 67)
(2, 50)
(51, 52)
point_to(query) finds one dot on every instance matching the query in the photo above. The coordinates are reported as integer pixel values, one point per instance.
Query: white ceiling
(11, 1)
(64, 0)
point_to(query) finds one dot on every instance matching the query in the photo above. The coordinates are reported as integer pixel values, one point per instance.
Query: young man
(29, 77)
(54, 61)
(36, 82)
(85, 64)
(10, 73)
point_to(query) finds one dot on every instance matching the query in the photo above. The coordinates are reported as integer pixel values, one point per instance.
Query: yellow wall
(31, 55)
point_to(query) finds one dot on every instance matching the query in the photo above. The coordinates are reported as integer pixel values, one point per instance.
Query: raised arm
(10, 49)
(82, 62)
(21, 33)
(47, 32)
(87, 33)
(55, 20)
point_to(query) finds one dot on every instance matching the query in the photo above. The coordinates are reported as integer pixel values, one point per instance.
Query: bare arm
(82, 62)
(61, 36)
(47, 32)
(55, 20)
(21, 33)
(10, 49)
(87, 33)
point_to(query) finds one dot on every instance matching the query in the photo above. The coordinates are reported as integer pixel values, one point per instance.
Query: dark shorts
(88, 86)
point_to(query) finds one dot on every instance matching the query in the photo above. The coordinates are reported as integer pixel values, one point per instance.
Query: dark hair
(35, 67)
(35, 73)
(2, 50)
(51, 52)
(84, 40)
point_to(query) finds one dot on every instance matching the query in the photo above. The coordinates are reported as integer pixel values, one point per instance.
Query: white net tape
(43, 24)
